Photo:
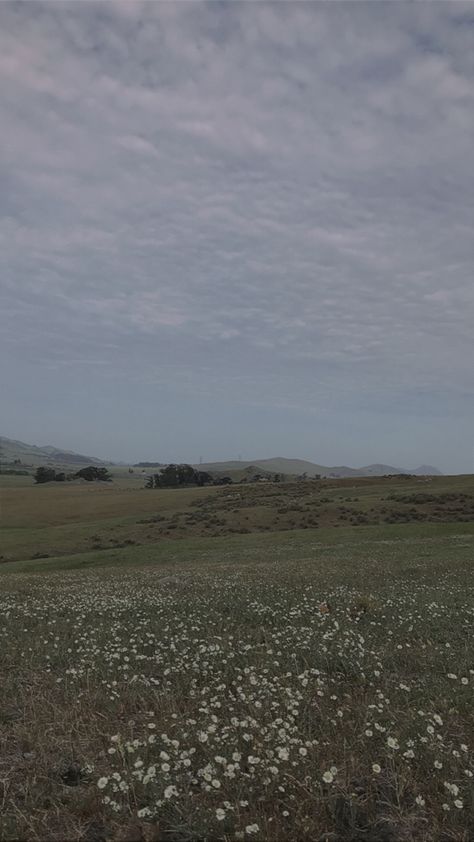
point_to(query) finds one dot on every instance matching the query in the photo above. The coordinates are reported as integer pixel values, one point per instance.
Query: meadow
(250, 674)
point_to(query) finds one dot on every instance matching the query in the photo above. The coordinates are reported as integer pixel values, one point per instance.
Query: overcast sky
(239, 228)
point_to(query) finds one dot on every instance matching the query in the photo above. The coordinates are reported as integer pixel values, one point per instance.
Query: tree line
(174, 476)
(91, 474)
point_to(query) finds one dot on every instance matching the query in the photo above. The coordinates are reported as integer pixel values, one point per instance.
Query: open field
(257, 678)
(56, 520)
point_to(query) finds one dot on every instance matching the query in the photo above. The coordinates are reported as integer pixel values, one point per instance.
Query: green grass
(388, 545)
(269, 686)
(335, 663)
(60, 520)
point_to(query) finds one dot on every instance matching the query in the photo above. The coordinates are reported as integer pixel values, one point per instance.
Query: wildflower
(420, 801)
(170, 791)
(252, 828)
(220, 814)
(392, 743)
(102, 783)
(376, 768)
(452, 788)
(328, 777)
(459, 804)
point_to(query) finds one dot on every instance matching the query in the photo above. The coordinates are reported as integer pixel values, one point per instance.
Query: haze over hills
(302, 466)
(30, 454)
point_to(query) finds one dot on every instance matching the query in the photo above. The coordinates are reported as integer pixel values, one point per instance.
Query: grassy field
(199, 664)
(57, 520)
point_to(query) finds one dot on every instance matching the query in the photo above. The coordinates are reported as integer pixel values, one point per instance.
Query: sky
(238, 229)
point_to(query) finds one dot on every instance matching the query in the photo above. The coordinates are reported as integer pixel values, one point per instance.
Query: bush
(45, 475)
(93, 473)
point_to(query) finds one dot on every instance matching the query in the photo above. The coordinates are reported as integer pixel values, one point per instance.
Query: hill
(296, 467)
(29, 455)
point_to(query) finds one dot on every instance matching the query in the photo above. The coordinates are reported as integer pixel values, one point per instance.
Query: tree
(203, 478)
(92, 473)
(43, 474)
(186, 475)
(169, 476)
(174, 476)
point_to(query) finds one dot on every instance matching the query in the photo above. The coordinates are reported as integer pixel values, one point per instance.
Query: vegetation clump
(90, 474)
(175, 476)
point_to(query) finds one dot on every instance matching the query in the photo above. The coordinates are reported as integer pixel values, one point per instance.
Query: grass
(311, 683)
(402, 544)
(80, 518)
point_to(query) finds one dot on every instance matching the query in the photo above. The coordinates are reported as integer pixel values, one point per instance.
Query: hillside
(31, 456)
(297, 467)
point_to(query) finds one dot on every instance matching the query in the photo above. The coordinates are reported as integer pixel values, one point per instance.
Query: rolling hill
(31, 456)
(297, 467)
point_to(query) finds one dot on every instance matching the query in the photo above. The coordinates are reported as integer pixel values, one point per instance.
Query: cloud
(289, 184)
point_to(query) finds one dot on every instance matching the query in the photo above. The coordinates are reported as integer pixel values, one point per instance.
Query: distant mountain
(292, 467)
(278, 465)
(30, 454)
(426, 471)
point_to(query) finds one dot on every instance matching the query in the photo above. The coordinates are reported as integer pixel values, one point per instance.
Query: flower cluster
(236, 708)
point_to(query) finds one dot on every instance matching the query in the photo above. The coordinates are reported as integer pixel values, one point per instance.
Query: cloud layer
(269, 202)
